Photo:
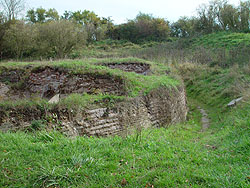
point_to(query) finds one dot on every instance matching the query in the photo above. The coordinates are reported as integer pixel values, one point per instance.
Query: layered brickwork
(159, 108)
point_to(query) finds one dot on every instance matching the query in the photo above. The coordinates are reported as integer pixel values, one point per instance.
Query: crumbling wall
(159, 108)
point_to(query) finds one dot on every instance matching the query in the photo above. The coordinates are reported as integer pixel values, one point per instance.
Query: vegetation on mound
(73, 102)
(135, 84)
(215, 86)
(223, 40)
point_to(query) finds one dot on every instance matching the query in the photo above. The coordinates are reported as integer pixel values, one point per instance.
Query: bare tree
(12, 8)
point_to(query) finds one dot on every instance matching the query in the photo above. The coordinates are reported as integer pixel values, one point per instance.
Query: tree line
(216, 16)
(44, 33)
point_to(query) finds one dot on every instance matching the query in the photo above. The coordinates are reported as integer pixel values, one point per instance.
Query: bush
(59, 38)
(19, 39)
(143, 28)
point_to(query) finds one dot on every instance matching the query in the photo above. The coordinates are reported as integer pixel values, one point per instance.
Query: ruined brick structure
(160, 107)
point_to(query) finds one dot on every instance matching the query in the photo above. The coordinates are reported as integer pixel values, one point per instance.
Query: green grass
(223, 40)
(110, 48)
(178, 156)
(215, 86)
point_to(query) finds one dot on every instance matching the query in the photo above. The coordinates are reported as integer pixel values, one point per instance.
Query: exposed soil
(139, 68)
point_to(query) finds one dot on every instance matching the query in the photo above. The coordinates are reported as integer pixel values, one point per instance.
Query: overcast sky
(121, 10)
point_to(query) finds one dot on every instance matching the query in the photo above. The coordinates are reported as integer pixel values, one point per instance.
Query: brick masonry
(159, 108)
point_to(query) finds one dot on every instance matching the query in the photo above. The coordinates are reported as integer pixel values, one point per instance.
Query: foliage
(143, 28)
(2, 32)
(218, 15)
(59, 38)
(95, 27)
(19, 39)
(184, 27)
(52, 39)
(40, 15)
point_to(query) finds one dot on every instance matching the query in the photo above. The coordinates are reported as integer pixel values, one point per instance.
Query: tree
(2, 31)
(58, 38)
(31, 16)
(95, 27)
(52, 14)
(244, 11)
(207, 19)
(184, 27)
(12, 8)
(19, 39)
(40, 15)
(67, 15)
(230, 18)
(143, 28)
(2, 18)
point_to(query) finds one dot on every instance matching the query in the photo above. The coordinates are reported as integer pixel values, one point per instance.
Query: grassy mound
(135, 84)
(223, 40)
(215, 86)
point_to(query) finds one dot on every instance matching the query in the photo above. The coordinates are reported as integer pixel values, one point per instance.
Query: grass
(223, 40)
(179, 156)
(215, 86)
(110, 48)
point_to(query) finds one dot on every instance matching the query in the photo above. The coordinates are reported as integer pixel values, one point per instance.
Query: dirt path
(204, 120)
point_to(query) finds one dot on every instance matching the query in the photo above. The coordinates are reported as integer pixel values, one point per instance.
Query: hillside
(226, 40)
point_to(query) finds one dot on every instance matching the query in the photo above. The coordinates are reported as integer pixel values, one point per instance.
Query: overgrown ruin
(109, 115)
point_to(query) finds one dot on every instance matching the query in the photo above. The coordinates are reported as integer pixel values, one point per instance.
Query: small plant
(37, 124)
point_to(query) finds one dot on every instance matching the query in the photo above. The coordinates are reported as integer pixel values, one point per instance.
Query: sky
(122, 10)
